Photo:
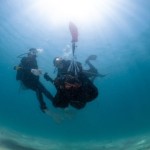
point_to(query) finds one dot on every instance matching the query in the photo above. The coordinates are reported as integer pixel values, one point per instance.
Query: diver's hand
(47, 77)
(36, 72)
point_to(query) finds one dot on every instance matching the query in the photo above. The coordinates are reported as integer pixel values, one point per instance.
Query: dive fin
(91, 57)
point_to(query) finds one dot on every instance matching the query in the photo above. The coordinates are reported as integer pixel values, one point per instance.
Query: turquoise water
(121, 42)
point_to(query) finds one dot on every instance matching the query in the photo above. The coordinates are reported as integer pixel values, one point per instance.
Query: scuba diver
(28, 73)
(72, 89)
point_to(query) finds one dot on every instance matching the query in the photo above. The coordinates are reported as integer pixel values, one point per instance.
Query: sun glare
(79, 10)
(100, 12)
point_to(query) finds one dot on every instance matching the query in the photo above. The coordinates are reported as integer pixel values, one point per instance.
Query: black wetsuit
(31, 81)
(73, 90)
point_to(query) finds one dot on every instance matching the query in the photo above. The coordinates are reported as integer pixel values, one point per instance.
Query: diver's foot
(58, 118)
(43, 109)
(91, 57)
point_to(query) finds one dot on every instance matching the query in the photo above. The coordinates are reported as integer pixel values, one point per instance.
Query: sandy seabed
(12, 140)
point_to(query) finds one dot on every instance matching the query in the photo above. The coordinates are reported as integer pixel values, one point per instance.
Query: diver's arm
(48, 78)
(36, 72)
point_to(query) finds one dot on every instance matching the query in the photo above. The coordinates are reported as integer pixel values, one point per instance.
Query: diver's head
(32, 52)
(58, 62)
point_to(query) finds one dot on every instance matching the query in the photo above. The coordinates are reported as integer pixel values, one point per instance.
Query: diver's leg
(92, 68)
(40, 99)
(90, 91)
(45, 91)
(93, 93)
(60, 100)
(93, 71)
(78, 101)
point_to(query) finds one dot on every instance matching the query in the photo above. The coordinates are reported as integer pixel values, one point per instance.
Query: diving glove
(47, 77)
